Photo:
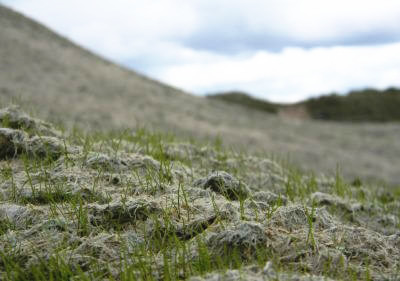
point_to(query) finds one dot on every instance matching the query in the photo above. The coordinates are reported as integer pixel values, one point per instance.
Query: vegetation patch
(243, 99)
(360, 106)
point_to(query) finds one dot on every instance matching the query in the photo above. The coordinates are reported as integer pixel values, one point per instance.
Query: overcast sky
(281, 50)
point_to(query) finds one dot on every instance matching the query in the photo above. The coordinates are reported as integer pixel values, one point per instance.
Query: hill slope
(246, 100)
(367, 105)
(61, 81)
(359, 106)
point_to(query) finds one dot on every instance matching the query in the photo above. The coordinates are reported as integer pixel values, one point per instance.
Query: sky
(279, 50)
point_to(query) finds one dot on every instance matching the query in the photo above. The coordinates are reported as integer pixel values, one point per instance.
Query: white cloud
(255, 24)
(275, 24)
(293, 74)
(118, 29)
(283, 50)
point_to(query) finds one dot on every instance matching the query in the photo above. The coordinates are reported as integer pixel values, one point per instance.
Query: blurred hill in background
(60, 81)
(367, 105)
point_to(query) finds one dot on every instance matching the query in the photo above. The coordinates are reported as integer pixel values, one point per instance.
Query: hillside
(243, 99)
(61, 82)
(367, 105)
(357, 106)
(145, 206)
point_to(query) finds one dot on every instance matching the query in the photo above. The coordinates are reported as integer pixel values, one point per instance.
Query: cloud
(122, 27)
(294, 73)
(272, 25)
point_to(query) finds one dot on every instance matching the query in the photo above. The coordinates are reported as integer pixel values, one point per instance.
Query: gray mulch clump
(255, 273)
(331, 200)
(123, 212)
(244, 238)
(269, 198)
(11, 142)
(105, 162)
(44, 147)
(12, 117)
(225, 184)
(19, 216)
(296, 216)
(14, 142)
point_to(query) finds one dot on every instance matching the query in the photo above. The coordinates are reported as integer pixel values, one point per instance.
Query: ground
(140, 205)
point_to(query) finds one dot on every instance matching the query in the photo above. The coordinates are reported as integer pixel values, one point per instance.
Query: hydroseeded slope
(58, 80)
(150, 207)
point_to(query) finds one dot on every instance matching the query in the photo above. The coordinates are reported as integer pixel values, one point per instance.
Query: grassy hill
(61, 82)
(246, 100)
(365, 105)
(149, 206)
